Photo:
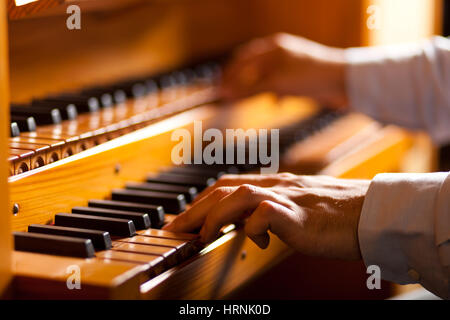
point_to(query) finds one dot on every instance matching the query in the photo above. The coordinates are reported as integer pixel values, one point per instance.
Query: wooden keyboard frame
(216, 271)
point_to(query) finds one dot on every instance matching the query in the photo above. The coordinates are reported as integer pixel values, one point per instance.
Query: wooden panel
(150, 36)
(383, 152)
(29, 7)
(146, 38)
(329, 144)
(5, 238)
(402, 20)
(38, 8)
(218, 270)
(335, 23)
(41, 276)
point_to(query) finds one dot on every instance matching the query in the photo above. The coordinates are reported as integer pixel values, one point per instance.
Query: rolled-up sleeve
(407, 84)
(405, 229)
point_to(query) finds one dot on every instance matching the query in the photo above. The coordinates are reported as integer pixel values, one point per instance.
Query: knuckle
(266, 207)
(219, 192)
(278, 36)
(246, 189)
(286, 175)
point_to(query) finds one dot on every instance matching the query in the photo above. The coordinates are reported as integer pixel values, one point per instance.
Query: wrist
(338, 68)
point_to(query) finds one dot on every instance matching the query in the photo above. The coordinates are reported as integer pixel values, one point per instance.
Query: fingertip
(205, 236)
(202, 235)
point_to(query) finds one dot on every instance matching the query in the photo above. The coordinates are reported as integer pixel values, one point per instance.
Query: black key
(42, 116)
(171, 202)
(167, 81)
(104, 97)
(100, 239)
(15, 131)
(119, 96)
(140, 220)
(190, 75)
(107, 100)
(24, 123)
(151, 86)
(155, 212)
(132, 89)
(180, 78)
(202, 176)
(68, 112)
(82, 103)
(138, 90)
(182, 180)
(51, 244)
(197, 171)
(116, 227)
(189, 192)
(216, 167)
(208, 72)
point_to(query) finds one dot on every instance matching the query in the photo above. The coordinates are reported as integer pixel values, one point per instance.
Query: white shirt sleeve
(405, 229)
(405, 84)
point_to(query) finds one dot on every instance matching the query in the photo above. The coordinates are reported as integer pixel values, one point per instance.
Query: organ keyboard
(91, 182)
(39, 137)
(123, 227)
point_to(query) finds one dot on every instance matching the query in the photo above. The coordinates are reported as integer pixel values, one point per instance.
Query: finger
(249, 76)
(248, 80)
(248, 53)
(194, 217)
(234, 180)
(234, 207)
(266, 218)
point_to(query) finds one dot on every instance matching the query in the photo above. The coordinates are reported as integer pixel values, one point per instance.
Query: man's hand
(316, 215)
(287, 65)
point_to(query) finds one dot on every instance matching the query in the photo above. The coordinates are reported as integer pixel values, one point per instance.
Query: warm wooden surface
(402, 21)
(330, 144)
(218, 270)
(335, 23)
(30, 8)
(150, 36)
(46, 8)
(41, 276)
(382, 152)
(5, 238)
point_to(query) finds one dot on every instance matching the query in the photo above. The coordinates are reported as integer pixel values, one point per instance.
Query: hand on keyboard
(316, 215)
(287, 65)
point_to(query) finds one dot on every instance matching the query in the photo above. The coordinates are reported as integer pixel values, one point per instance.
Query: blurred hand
(287, 65)
(316, 215)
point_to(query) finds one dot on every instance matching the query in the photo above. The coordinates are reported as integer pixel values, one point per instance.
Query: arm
(400, 222)
(406, 84)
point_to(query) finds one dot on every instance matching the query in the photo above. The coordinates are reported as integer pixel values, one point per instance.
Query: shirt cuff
(373, 76)
(397, 229)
